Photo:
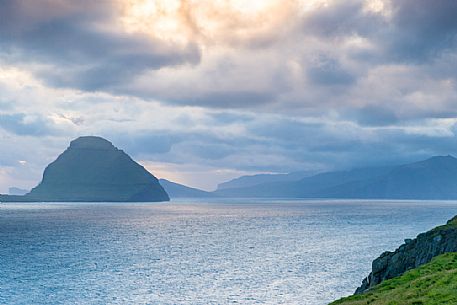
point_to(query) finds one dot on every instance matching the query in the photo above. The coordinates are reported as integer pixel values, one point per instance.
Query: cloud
(422, 30)
(25, 125)
(146, 142)
(341, 19)
(328, 71)
(400, 31)
(75, 50)
(374, 116)
(5, 104)
(227, 99)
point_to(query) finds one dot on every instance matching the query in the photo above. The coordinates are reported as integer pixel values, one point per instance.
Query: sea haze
(211, 252)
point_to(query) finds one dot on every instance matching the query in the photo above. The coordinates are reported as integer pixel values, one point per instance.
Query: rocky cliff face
(92, 169)
(412, 254)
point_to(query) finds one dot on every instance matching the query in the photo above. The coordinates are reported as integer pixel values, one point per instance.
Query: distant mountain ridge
(15, 191)
(92, 169)
(308, 187)
(434, 178)
(176, 190)
(252, 180)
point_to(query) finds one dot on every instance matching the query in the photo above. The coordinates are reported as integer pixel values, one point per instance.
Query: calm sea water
(245, 252)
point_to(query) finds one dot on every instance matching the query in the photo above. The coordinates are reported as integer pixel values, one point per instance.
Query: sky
(202, 91)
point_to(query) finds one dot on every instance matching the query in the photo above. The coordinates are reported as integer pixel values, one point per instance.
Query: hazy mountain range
(92, 169)
(434, 178)
(15, 191)
(252, 180)
(176, 190)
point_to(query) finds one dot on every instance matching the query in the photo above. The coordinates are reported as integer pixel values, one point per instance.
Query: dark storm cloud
(80, 54)
(418, 30)
(422, 29)
(68, 38)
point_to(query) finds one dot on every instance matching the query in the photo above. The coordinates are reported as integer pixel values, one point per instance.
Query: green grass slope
(434, 283)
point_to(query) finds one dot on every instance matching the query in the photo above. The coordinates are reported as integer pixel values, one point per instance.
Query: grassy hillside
(434, 283)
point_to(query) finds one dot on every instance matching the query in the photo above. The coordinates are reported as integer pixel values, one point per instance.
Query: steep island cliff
(92, 169)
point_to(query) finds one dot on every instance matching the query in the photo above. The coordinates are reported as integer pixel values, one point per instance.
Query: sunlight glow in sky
(209, 21)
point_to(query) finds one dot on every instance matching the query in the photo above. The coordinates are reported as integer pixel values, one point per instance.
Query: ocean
(201, 252)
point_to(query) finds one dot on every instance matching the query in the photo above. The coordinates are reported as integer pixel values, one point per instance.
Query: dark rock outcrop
(412, 254)
(91, 169)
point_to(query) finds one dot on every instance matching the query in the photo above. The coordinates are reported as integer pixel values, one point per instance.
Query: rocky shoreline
(412, 254)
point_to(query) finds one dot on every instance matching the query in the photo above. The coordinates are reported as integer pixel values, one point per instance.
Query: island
(92, 169)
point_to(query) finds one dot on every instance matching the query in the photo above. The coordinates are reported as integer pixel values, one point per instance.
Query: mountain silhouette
(176, 190)
(92, 169)
(434, 178)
